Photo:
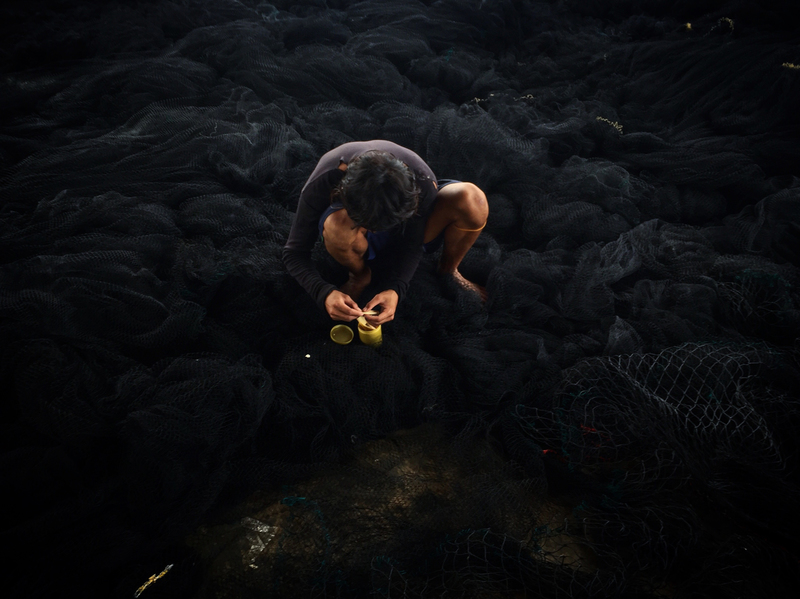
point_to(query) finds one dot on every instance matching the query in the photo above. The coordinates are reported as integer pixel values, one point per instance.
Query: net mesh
(619, 418)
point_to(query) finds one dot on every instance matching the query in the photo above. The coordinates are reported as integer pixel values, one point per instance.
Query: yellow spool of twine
(369, 334)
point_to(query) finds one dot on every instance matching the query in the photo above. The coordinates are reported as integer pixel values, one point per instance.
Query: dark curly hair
(378, 191)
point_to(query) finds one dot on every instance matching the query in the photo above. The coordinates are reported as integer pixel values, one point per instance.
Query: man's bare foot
(469, 285)
(356, 284)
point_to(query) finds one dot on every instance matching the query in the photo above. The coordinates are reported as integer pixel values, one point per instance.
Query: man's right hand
(341, 306)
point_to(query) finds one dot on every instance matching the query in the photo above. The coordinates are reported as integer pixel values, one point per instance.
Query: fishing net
(618, 419)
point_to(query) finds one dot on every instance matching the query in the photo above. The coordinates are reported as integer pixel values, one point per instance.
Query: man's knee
(472, 206)
(340, 234)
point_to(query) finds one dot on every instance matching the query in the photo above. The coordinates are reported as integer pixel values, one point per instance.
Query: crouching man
(376, 198)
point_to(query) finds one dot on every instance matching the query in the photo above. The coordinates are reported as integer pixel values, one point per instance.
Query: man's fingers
(383, 318)
(380, 318)
(352, 311)
(341, 311)
(344, 316)
(343, 307)
(387, 302)
(348, 301)
(373, 303)
(349, 314)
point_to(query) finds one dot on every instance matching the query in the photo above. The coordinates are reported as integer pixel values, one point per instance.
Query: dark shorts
(379, 240)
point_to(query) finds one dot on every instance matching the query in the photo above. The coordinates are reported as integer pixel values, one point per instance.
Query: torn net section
(678, 457)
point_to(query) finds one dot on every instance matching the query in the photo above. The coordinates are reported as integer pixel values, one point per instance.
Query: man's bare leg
(347, 244)
(461, 212)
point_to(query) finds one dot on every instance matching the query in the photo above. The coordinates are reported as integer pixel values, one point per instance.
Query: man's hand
(341, 306)
(387, 300)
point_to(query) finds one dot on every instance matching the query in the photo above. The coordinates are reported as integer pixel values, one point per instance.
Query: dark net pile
(618, 420)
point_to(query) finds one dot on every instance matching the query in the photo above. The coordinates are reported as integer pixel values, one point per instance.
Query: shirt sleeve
(314, 199)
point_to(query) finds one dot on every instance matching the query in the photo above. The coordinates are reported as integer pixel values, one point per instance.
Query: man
(376, 198)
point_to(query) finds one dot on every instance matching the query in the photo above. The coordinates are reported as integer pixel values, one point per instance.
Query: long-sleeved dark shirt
(316, 197)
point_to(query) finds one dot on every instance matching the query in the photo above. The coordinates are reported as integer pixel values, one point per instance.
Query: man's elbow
(293, 259)
(288, 256)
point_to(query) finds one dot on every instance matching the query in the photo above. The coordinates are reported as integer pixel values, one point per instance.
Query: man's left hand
(387, 300)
